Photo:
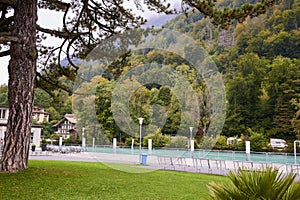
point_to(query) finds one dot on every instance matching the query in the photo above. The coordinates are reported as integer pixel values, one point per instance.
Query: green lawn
(81, 180)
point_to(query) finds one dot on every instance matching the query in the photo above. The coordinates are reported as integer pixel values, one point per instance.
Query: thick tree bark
(22, 71)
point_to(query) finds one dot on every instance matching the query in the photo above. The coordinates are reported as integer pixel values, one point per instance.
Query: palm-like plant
(263, 184)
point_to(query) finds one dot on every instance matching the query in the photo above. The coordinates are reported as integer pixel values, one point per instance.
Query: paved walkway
(88, 157)
(219, 167)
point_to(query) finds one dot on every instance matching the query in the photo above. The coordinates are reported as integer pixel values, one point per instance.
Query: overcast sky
(47, 19)
(51, 19)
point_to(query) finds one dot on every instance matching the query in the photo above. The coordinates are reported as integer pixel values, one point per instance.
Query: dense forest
(260, 64)
(259, 60)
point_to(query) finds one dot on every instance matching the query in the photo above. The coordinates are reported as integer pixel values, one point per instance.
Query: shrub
(266, 183)
(207, 142)
(158, 140)
(221, 143)
(257, 142)
(241, 144)
(177, 142)
(128, 141)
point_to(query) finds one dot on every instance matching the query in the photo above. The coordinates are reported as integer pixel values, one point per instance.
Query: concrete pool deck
(210, 166)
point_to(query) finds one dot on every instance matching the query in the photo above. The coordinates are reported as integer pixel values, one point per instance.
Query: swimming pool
(266, 157)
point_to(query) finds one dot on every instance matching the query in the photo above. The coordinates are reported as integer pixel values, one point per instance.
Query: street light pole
(191, 133)
(141, 123)
(83, 140)
(295, 150)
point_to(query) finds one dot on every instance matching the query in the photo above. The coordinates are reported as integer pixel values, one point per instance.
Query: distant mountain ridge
(156, 22)
(159, 20)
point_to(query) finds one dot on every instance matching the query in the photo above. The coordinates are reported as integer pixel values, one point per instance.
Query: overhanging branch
(60, 34)
(53, 4)
(8, 2)
(7, 37)
(56, 33)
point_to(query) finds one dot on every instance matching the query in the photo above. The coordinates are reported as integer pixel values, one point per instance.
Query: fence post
(149, 146)
(247, 150)
(115, 145)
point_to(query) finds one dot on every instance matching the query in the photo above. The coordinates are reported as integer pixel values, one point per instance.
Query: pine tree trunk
(22, 71)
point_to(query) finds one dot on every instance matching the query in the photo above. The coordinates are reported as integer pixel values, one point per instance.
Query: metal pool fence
(265, 157)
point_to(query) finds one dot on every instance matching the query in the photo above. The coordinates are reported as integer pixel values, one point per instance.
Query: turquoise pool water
(270, 157)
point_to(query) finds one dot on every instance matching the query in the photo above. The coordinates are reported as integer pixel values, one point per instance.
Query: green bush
(221, 143)
(128, 141)
(158, 140)
(290, 147)
(177, 142)
(266, 183)
(257, 142)
(241, 144)
(207, 142)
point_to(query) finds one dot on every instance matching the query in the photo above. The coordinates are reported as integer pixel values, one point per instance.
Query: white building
(39, 115)
(66, 126)
(35, 128)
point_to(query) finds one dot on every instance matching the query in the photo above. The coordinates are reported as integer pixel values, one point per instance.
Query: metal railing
(221, 167)
(265, 157)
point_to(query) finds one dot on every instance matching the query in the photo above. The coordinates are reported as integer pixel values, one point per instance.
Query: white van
(278, 143)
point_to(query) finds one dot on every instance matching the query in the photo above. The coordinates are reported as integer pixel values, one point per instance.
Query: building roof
(37, 109)
(70, 117)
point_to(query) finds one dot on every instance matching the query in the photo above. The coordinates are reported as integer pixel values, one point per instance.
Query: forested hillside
(259, 60)
(260, 64)
(262, 73)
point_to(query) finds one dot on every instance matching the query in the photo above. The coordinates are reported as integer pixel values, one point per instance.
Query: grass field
(81, 180)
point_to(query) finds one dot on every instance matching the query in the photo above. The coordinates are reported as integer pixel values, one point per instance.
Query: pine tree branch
(53, 4)
(60, 34)
(7, 37)
(225, 17)
(8, 2)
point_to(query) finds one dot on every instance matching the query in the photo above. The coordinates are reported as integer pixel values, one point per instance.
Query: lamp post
(295, 150)
(83, 140)
(141, 123)
(190, 142)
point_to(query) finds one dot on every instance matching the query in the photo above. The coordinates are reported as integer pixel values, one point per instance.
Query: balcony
(3, 121)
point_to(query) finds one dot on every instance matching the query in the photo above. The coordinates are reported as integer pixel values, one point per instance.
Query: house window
(3, 114)
(31, 137)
